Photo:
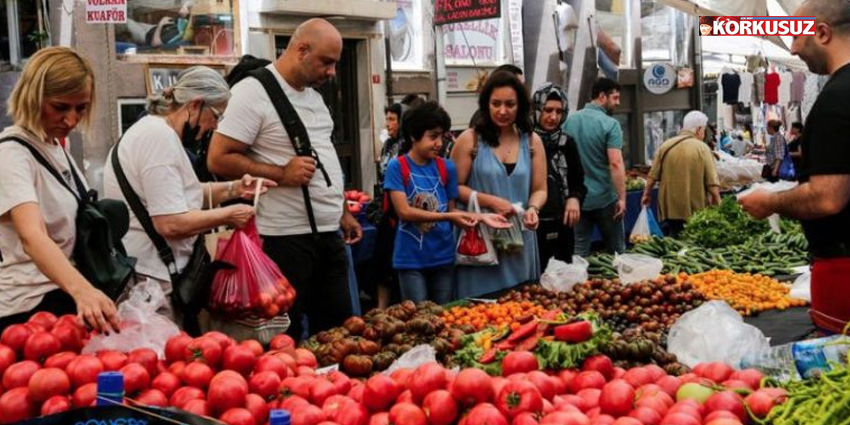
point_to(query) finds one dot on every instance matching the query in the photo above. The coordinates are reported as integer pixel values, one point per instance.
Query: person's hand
(645, 199)
(530, 219)
(351, 230)
(620, 210)
(757, 204)
(464, 220)
(715, 199)
(775, 172)
(495, 221)
(96, 310)
(572, 213)
(503, 207)
(299, 171)
(247, 186)
(238, 214)
(166, 20)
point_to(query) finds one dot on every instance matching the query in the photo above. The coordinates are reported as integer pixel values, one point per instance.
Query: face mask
(189, 136)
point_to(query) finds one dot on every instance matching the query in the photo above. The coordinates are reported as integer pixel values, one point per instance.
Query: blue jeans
(612, 230)
(435, 284)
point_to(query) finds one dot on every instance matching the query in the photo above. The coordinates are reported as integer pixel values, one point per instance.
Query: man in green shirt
(684, 166)
(600, 145)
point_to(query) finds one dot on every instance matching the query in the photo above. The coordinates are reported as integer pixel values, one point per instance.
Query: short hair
(395, 108)
(427, 116)
(706, 20)
(774, 124)
(412, 100)
(485, 126)
(246, 64)
(513, 69)
(603, 85)
(197, 82)
(835, 13)
(50, 72)
(798, 125)
(694, 120)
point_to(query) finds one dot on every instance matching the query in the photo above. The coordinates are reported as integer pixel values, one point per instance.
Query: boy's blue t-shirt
(423, 245)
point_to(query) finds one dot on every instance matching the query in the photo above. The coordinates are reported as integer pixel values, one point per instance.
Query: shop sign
(161, 76)
(450, 11)
(473, 43)
(659, 78)
(106, 11)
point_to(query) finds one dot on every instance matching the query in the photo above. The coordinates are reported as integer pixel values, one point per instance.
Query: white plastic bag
(779, 186)
(482, 234)
(802, 288)
(633, 268)
(641, 232)
(141, 325)
(561, 277)
(714, 332)
(417, 356)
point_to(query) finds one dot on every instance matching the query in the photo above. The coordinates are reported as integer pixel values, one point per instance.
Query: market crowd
(527, 181)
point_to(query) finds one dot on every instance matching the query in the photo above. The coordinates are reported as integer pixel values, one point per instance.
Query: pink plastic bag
(249, 284)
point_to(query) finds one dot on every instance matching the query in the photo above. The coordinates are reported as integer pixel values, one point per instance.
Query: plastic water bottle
(110, 388)
(799, 359)
(279, 417)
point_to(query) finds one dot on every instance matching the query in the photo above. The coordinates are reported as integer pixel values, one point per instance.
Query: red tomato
(153, 397)
(84, 369)
(380, 393)
(136, 378)
(727, 400)
(19, 374)
(226, 392)
(425, 379)
(40, 346)
(273, 364)
(166, 382)
(601, 364)
(293, 402)
(646, 416)
(680, 419)
(16, 406)
(60, 360)
(525, 419)
(307, 415)
(7, 358)
(655, 403)
(112, 360)
(238, 416)
(15, 336)
(485, 414)
(305, 357)
(382, 418)
(589, 379)
(306, 371)
(341, 382)
(45, 319)
(543, 383)
(204, 349)
(175, 348)
(402, 376)
(288, 360)
(266, 384)
(197, 407)
(74, 322)
(177, 367)
(257, 406)
(518, 397)
(56, 404)
(472, 386)
(197, 375)
(715, 371)
(752, 377)
(617, 398)
(407, 414)
(405, 397)
(298, 385)
(356, 392)
(254, 346)
(565, 418)
(355, 415)
(281, 342)
(84, 396)
(440, 408)
(223, 340)
(145, 357)
(69, 337)
(320, 390)
(519, 362)
(239, 358)
(669, 384)
(46, 383)
(760, 403)
(183, 395)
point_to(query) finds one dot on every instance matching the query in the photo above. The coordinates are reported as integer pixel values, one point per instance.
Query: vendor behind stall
(820, 202)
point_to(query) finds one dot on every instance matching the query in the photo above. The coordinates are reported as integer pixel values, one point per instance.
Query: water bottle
(800, 359)
(110, 388)
(279, 417)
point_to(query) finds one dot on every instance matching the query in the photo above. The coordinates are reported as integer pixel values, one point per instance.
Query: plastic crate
(263, 330)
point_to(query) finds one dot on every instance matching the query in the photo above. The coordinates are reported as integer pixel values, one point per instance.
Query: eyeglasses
(218, 115)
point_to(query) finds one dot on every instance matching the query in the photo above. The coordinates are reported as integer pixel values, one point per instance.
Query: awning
(353, 9)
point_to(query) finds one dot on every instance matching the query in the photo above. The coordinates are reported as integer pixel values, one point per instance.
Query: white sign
(106, 11)
(515, 23)
(659, 78)
(475, 42)
(405, 34)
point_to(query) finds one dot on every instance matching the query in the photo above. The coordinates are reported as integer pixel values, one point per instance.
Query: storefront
(24, 28)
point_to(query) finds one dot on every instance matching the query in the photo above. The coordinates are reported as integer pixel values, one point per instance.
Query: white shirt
(745, 91)
(22, 180)
(159, 171)
(785, 79)
(252, 119)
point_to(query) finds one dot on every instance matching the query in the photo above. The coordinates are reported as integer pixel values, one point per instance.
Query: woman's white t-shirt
(159, 171)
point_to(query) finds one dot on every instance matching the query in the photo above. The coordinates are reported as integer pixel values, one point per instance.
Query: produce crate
(263, 330)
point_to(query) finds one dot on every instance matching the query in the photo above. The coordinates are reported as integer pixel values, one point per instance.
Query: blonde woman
(54, 93)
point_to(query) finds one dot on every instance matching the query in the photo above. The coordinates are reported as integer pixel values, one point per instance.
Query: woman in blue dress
(503, 160)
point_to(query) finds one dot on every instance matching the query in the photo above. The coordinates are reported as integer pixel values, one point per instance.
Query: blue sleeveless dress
(489, 176)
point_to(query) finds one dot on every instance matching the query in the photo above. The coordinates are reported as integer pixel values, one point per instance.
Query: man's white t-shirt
(23, 180)
(159, 171)
(252, 119)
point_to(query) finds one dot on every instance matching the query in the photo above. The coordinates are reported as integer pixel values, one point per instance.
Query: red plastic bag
(249, 284)
(471, 243)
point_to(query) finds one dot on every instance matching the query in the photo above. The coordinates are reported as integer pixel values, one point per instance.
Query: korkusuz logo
(757, 25)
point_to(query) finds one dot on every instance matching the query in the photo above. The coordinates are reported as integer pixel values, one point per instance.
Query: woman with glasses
(152, 156)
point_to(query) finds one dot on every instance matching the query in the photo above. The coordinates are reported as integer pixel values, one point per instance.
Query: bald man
(310, 254)
(820, 202)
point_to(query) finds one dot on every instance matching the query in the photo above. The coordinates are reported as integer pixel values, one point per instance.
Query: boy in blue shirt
(423, 187)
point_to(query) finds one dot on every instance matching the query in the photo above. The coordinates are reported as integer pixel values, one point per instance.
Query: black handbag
(98, 252)
(191, 286)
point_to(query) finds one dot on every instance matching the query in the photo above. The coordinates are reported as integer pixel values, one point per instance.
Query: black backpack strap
(295, 129)
(162, 248)
(80, 193)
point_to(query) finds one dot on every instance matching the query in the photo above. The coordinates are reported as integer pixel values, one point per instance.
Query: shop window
(22, 30)
(179, 27)
(660, 126)
(5, 55)
(129, 111)
(666, 34)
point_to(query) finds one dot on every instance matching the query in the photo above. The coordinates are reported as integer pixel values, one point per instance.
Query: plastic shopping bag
(251, 284)
(474, 247)
(714, 332)
(786, 167)
(802, 287)
(510, 240)
(637, 267)
(561, 277)
(779, 186)
(645, 227)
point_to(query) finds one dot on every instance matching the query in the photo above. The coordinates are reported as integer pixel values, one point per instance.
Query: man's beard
(816, 61)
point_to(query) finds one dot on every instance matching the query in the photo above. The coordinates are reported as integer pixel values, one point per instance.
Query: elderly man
(820, 202)
(684, 166)
(300, 219)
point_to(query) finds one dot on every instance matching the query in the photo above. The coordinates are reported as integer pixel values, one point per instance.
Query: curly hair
(485, 126)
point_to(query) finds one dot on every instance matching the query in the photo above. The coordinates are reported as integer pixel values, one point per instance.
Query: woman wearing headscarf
(564, 176)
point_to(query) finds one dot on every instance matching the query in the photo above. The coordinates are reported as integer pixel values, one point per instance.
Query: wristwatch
(536, 210)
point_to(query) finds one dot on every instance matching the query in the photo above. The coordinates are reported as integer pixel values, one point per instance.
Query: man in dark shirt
(794, 140)
(820, 202)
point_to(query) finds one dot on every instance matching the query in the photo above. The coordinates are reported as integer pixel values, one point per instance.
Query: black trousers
(317, 267)
(672, 228)
(57, 302)
(555, 239)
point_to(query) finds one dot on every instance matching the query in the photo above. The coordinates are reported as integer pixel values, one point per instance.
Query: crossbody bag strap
(162, 249)
(661, 158)
(78, 194)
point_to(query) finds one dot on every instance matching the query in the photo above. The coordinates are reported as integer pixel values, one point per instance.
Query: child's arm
(417, 215)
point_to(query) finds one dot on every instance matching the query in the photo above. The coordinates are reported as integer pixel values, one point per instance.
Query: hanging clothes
(771, 88)
(745, 92)
(810, 94)
(798, 83)
(785, 87)
(758, 88)
(731, 83)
